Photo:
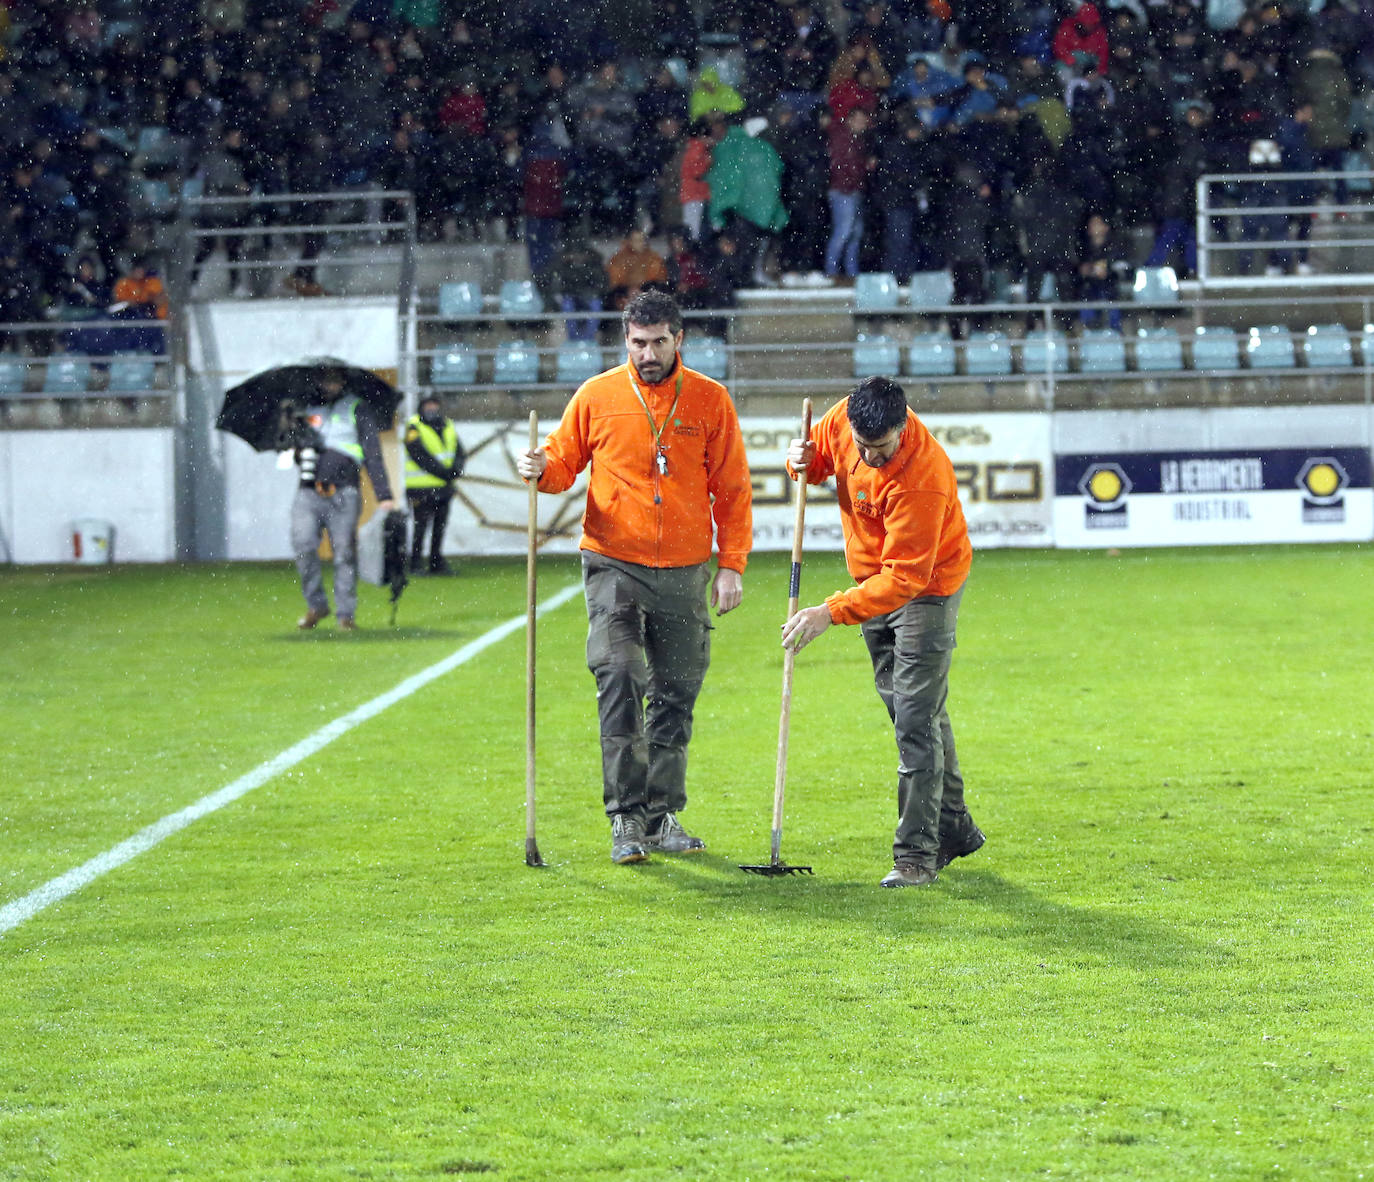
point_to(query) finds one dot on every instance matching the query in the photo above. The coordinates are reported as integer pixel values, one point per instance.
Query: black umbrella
(382, 553)
(261, 410)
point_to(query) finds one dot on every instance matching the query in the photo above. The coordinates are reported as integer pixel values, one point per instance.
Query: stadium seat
(987, 353)
(931, 289)
(156, 147)
(12, 372)
(1155, 285)
(577, 361)
(132, 373)
(459, 299)
(876, 355)
(1327, 346)
(1270, 347)
(519, 297)
(930, 354)
(1101, 350)
(875, 291)
(1044, 352)
(706, 355)
(67, 375)
(1158, 349)
(453, 365)
(1215, 348)
(517, 364)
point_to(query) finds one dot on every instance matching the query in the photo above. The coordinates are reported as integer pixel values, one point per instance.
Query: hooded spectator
(1082, 32)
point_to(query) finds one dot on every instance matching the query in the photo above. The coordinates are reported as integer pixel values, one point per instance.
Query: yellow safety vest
(442, 447)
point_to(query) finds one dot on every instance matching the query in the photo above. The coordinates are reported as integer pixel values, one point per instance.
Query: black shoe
(417, 566)
(905, 873)
(969, 842)
(440, 566)
(671, 838)
(627, 839)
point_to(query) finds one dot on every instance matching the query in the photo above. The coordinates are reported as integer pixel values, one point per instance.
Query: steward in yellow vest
(434, 460)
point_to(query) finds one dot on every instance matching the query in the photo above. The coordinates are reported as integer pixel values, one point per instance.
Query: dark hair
(876, 406)
(652, 307)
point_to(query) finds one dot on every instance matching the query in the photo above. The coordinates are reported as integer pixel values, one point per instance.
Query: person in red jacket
(1082, 32)
(907, 545)
(668, 476)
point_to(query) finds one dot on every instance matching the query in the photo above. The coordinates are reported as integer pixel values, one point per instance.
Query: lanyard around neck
(653, 426)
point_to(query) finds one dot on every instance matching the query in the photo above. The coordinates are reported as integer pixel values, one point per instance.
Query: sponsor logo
(1323, 481)
(1105, 488)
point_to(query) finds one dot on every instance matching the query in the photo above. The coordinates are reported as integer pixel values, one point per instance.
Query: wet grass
(1157, 968)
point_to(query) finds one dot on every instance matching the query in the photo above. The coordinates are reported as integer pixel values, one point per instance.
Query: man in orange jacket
(667, 464)
(906, 544)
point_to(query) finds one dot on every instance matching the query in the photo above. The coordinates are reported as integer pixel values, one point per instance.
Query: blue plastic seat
(132, 373)
(67, 375)
(1270, 346)
(519, 297)
(517, 364)
(12, 372)
(930, 354)
(1044, 352)
(987, 353)
(1327, 346)
(576, 362)
(1215, 348)
(876, 355)
(459, 299)
(930, 289)
(1101, 350)
(1155, 285)
(453, 365)
(706, 355)
(875, 291)
(1158, 349)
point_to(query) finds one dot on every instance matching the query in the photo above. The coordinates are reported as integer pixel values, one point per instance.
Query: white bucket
(92, 540)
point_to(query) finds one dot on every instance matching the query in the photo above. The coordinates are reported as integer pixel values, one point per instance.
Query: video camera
(294, 433)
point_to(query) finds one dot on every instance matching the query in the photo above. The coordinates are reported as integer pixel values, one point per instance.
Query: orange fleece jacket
(707, 480)
(904, 529)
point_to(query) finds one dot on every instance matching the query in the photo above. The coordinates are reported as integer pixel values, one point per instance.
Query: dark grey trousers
(648, 646)
(911, 649)
(311, 515)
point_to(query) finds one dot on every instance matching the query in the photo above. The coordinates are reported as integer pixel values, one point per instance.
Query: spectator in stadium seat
(635, 266)
(578, 281)
(694, 190)
(967, 216)
(1050, 214)
(746, 191)
(850, 163)
(907, 163)
(1082, 31)
(1101, 265)
(223, 176)
(801, 147)
(21, 287)
(545, 174)
(711, 97)
(857, 81)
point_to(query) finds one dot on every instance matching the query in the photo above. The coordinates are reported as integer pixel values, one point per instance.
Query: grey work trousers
(911, 649)
(311, 515)
(648, 646)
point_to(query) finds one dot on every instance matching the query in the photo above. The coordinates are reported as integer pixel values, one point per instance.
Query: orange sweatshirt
(707, 478)
(904, 529)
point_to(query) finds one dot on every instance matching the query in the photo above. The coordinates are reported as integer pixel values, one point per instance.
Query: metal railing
(1229, 227)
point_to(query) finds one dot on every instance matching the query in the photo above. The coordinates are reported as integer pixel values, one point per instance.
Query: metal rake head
(774, 869)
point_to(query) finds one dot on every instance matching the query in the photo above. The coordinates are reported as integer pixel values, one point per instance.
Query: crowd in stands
(725, 144)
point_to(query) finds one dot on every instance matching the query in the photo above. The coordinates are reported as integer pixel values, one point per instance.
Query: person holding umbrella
(907, 545)
(668, 470)
(341, 439)
(434, 460)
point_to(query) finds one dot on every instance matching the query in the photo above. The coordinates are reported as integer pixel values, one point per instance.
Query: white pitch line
(14, 913)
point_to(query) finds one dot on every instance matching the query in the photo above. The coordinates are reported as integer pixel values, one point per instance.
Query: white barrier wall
(51, 479)
(243, 499)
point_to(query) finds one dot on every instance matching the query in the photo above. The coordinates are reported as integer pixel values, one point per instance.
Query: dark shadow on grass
(1056, 929)
(326, 635)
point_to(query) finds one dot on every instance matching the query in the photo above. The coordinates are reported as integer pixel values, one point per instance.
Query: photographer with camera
(333, 440)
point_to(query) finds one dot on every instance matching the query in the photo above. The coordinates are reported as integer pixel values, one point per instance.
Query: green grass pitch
(1158, 967)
